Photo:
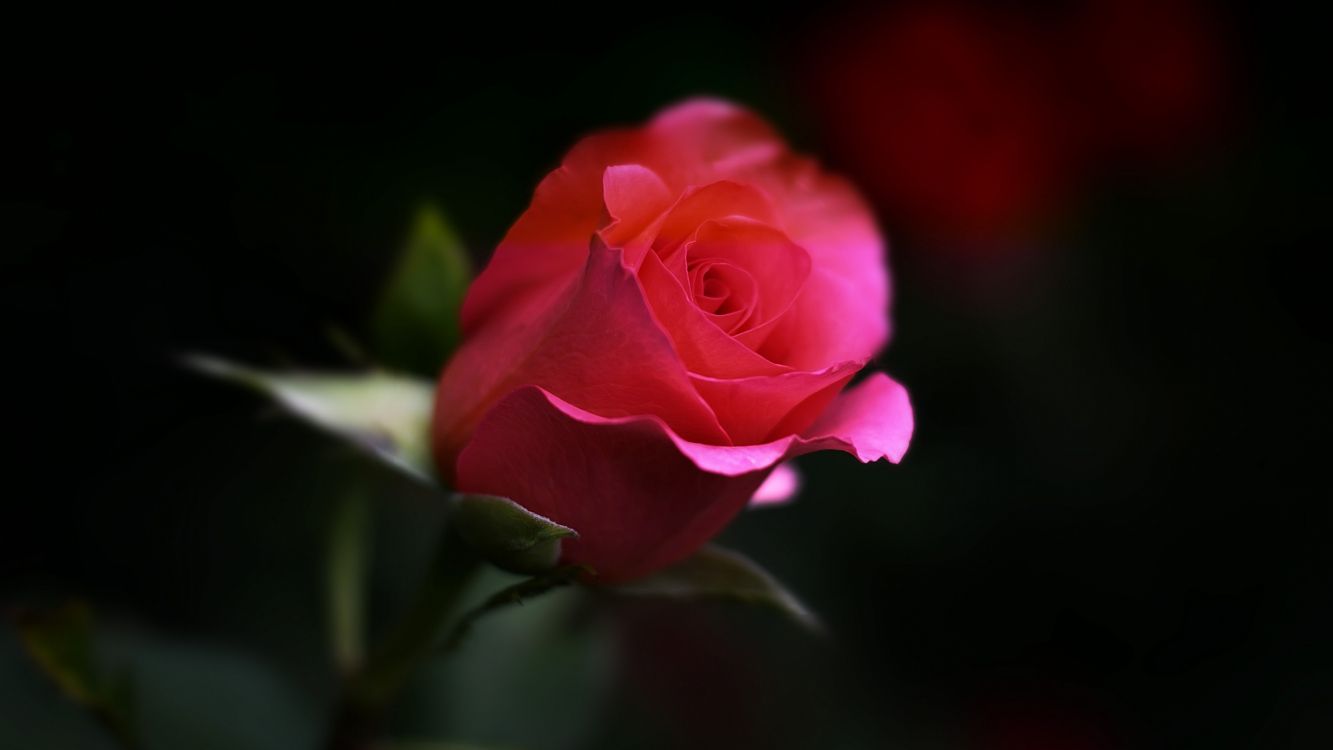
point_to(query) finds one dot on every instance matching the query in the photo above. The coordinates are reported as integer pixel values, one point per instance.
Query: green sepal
(508, 535)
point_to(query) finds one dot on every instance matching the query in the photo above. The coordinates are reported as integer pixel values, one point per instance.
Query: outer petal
(721, 138)
(826, 215)
(780, 488)
(637, 502)
(829, 322)
(640, 496)
(600, 348)
(546, 248)
(871, 420)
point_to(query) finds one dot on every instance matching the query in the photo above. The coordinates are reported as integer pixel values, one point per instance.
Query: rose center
(723, 290)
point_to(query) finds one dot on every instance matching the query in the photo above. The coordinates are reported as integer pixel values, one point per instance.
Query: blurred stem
(370, 691)
(348, 563)
(510, 595)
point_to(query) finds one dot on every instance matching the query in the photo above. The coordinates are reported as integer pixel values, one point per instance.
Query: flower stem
(348, 562)
(370, 691)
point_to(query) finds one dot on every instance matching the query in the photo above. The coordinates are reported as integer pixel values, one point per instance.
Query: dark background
(1111, 529)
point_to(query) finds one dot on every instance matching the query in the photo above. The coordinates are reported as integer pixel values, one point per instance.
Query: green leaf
(187, 694)
(387, 415)
(60, 641)
(415, 326)
(508, 535)
(717, 573)
(34, 712)
(206, 696)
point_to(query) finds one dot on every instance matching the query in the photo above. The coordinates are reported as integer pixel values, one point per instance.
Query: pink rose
(677, 312)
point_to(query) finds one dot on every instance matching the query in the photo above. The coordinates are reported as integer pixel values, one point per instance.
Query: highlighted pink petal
(779, 489)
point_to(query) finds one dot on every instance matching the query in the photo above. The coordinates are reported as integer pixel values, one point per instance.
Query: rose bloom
(678, 311)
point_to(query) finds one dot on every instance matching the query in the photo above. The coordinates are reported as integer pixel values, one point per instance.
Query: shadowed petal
(641, 497)
(637, 502)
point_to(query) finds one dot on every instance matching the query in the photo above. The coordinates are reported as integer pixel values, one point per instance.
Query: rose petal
(758, 409)
(827, 217)
(635, 199)
(641, 497)
(780, 488)
(843, 312)
(717, 200)
(637, 503)
(778, 266)
(825, 214)
(871, 420)
(828, 322)
(694, 144)
(726, 138)
(547, 247)
(821, 212)
(703, 347)
(601, 350)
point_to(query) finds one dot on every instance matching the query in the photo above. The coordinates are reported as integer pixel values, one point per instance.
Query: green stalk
(348, 564)
(370, 691)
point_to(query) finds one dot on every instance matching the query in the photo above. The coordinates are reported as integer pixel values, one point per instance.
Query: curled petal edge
(576, 468)
(872, 420)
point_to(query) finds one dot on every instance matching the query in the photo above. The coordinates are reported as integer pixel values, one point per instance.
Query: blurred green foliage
(415, 324)
(61, 643)
(387, 415)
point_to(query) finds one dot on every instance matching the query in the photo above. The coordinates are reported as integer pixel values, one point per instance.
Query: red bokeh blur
(974, 123)
(1151, 76)
(688, 668)
(1024, 717)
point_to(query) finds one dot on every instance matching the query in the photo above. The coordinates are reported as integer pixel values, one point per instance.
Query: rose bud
(678, 311)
